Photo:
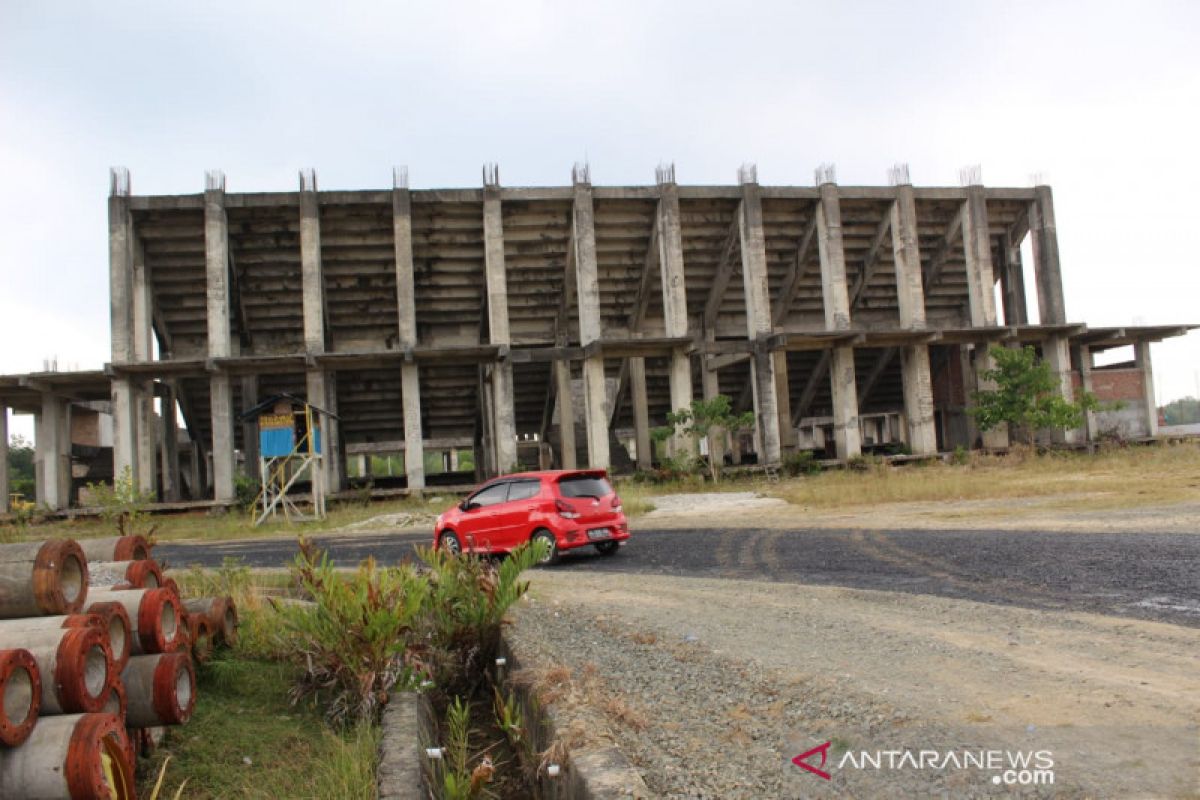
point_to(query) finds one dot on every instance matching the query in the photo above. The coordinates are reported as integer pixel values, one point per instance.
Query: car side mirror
(467, 505)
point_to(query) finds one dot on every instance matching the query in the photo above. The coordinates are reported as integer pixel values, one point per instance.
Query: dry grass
(201, 525)
(1118, 478)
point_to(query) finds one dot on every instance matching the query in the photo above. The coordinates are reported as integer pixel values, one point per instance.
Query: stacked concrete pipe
(156, 616)
(141, 574)
(20, 695)
(37, 578)
(73, 756)
(116, 548)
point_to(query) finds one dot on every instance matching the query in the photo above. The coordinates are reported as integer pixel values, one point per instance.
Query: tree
(1184, 411)
(707, 419)
(21, 474)
(1027, 396)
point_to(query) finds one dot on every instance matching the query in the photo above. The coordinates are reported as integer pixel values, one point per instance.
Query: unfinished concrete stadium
(557, 326)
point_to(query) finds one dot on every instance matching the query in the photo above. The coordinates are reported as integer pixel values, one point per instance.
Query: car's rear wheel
(450, 543)
(607, 548)
(543, 535)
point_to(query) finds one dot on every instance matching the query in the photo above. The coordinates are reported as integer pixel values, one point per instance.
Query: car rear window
(584, 486)
(523, 490)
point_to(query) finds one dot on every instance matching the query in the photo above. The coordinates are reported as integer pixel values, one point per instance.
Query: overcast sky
(1103, 100)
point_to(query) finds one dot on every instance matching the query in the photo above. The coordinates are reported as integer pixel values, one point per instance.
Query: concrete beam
(797, 270)
(406, 312)
(1046, 263)
(811, 386)
(946, 246)
(587, 285)
(722, 276)
(674, 289)
(882, 361)
(504, 427)
(847, 436)
(870, 261)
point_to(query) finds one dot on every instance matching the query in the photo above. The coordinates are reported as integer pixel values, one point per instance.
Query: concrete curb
(399, 775)
(593, 773)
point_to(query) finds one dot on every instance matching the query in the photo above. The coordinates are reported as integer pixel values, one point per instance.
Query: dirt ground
(1056, 513)
(1116, 701)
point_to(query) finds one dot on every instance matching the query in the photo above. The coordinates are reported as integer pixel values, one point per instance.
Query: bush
(245, 491)
(124, 505)
(468, 597)
(361, 638)
(801, 463)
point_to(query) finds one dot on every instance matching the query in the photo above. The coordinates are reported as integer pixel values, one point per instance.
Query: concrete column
(758, 321)
(1083, 357)
(674, 289)
(1141, 354)
(981, 291)
(587, 283)
(249, 427)
(914, 359)
(488, 416)
(1012, 282)
(1056, 351)
(216, 256)
(170, 448)
(836, 296)
(410, 378)
(566, 414)
(504, 425)
(196, 489)
(641, 413)
(977, 246)
(143, 350)
(312, 285)
(121, 308)
(1046, 266)
(5, 487)
(783, 401)
(710, 380)
(52, 454)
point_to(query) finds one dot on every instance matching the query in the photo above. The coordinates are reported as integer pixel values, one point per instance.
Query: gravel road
(1152, 576)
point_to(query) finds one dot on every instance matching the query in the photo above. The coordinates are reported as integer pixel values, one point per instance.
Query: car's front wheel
(607, 548)
(543, 535)
(450, 543)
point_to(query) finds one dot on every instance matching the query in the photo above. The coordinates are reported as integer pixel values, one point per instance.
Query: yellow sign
(269, 421)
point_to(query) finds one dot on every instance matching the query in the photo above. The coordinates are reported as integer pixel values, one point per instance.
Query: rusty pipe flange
(160, 620)
(96, 736)
(174, 688)
(144, 574)
(60, 577)
(20, 695)
(115, 618)
(83, 669)
(171, 585)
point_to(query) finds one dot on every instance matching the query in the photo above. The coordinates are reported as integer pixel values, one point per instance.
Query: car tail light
(565, 510)
(616, 503)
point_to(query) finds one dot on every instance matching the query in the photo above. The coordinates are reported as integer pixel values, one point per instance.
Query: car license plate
(598, 533)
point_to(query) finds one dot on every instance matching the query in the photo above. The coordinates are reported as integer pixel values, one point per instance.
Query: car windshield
(584, 486)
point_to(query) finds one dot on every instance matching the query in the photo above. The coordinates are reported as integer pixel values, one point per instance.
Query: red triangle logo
(802, 760)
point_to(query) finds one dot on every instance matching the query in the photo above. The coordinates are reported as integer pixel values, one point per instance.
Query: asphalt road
(1143, 575)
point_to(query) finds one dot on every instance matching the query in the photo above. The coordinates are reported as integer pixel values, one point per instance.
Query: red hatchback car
(566, 508)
